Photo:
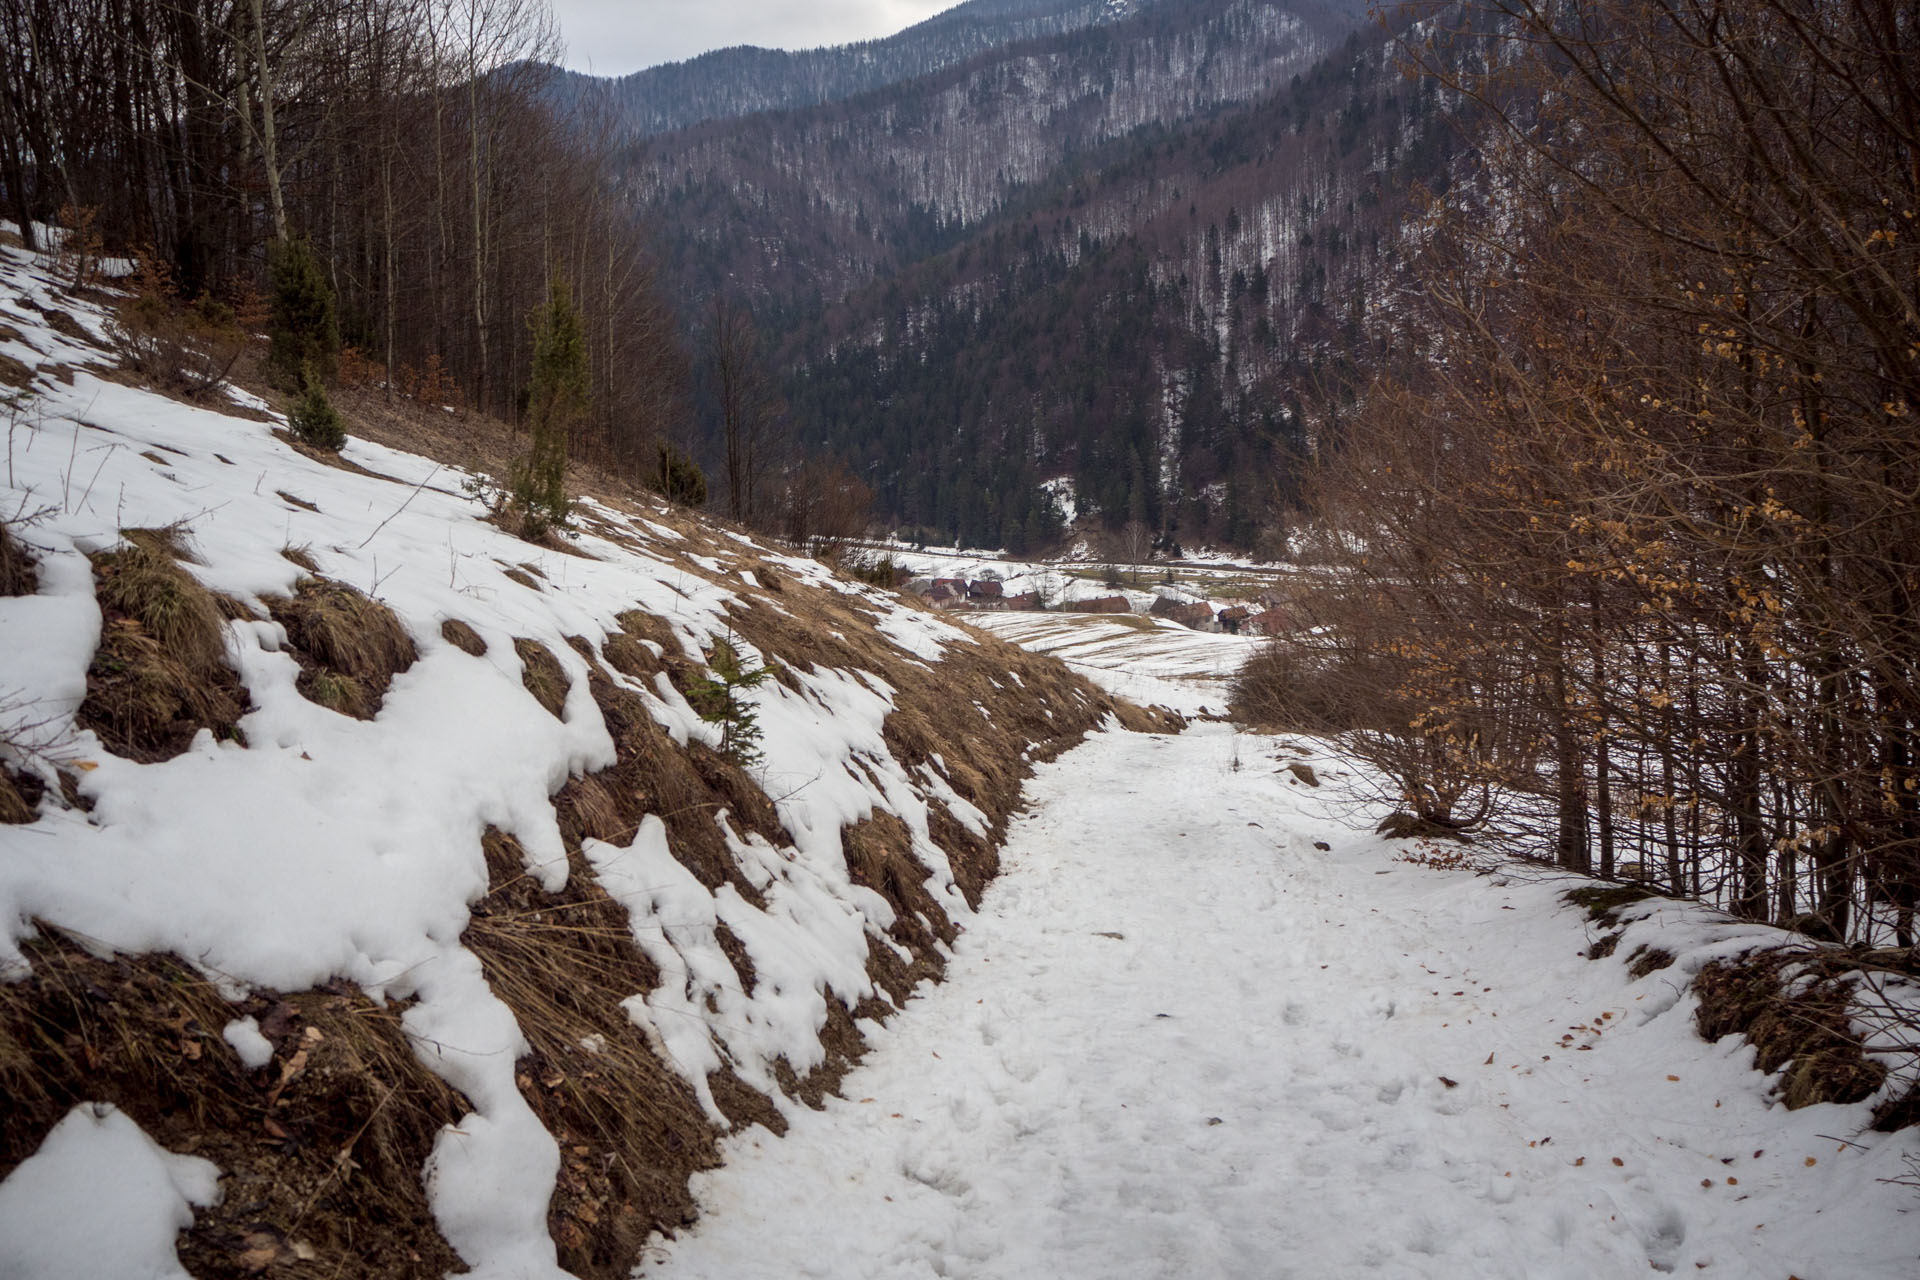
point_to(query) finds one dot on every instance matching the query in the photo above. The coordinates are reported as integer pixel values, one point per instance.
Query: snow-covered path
(1181, 1041)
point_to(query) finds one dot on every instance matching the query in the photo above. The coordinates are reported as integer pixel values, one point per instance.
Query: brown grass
(18, 577)
(160, 673)
(20, 794)
(14, 374)
(322, 1149)
(1805, 1034)
(349, 646)
(463, 637)
(687, 787)
(987, 757)
(543, 676)
(630, 1130)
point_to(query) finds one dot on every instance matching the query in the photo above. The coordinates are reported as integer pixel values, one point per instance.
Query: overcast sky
(614, 37)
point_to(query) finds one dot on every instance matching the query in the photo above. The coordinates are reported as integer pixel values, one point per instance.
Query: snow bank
(312, 846)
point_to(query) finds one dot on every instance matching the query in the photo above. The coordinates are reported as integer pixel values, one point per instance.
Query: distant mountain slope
(1149, 327)
(745, 79)
(799, 207)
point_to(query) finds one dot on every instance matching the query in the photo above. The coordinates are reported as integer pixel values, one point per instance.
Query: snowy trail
(1180, 1041)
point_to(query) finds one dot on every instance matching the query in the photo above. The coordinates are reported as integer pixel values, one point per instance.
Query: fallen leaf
(86, 766)
(1811, 1162)
(1673, 1077)
(1488, 1062)
(1733, 1182)
(260, 1251)
(1706, 1182)
(1617, 1160)
(1577, 1163)
(1451, 1084)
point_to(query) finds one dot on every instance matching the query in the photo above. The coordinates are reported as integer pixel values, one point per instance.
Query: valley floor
(1180, 1040)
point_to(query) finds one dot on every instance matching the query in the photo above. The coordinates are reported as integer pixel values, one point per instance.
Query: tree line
(1627, 526)
(408, 142)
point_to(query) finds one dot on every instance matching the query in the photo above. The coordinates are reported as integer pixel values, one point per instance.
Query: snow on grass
(333, 848)
(1180, 1040)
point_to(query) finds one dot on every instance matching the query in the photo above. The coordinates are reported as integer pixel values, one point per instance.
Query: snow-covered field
(1146, 660)
(1181, 1040)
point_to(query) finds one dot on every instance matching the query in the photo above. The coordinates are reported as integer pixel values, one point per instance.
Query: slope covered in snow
(1201, 1028)
(277, 723)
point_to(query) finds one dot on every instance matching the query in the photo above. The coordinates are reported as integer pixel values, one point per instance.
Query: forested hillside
(1151, 330)
(746, 79)
(798, 207)
(408, 142)
(1116, 256)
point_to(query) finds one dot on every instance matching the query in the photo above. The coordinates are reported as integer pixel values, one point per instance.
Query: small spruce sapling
(313, 418)
(717, 699)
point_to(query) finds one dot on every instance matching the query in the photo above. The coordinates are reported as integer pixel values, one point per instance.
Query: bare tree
(747, 405)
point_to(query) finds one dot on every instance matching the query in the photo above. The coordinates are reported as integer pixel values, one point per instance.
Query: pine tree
(302, 328)
(556, 404)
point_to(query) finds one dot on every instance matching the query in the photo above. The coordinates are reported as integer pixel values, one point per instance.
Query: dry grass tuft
(19, 796)
(349, 646)
(1603, 902)
(630, 1131)
(630, 657)
(301, 557)
(648, 626)
(1807, 1030)
(463, 637)
(17, 574)
(160, 673)
(543, 676)
(322, 1149)
(144, 582)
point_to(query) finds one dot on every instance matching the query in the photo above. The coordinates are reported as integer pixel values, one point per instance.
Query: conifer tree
(302, 328)
(313, 418)
(556, 404)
